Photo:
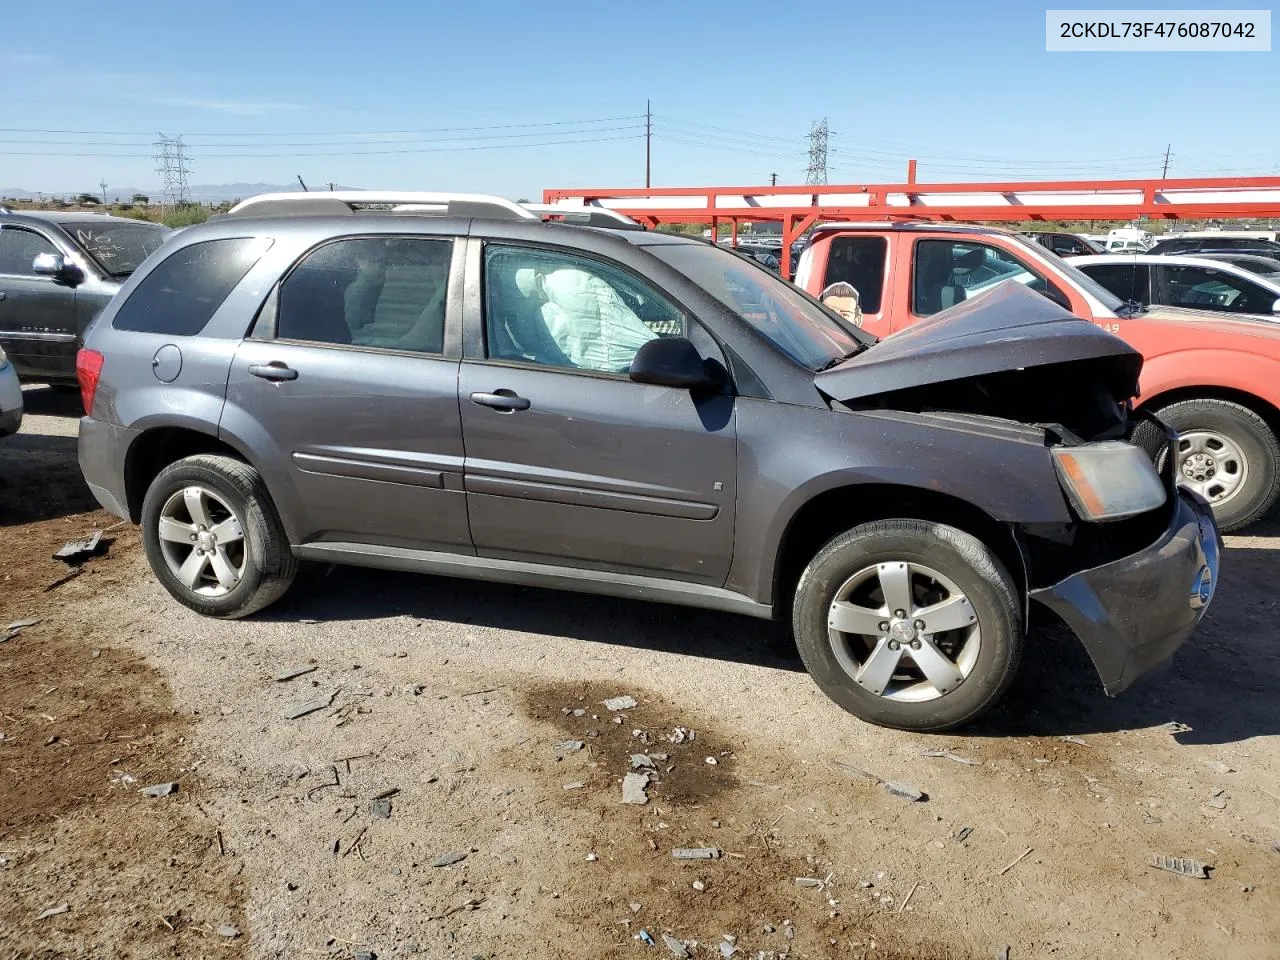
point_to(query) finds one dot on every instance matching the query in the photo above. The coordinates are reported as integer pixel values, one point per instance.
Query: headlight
(1108, 480)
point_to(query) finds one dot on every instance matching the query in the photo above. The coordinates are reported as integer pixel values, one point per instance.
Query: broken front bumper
(1134, 613)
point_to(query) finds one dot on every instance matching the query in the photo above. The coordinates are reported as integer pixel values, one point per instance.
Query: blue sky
(507, 97)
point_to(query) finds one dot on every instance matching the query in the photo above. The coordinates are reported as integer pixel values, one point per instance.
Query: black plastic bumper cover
(1132, 614)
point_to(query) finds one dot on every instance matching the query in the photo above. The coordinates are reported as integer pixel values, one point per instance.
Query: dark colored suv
(57, 270)
(454, 385)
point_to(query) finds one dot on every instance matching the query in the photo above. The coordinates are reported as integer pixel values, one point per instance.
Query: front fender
(1249, 373)
(789, 455)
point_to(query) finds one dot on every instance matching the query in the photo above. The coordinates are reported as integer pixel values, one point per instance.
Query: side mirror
(55, 265)
(673, 362)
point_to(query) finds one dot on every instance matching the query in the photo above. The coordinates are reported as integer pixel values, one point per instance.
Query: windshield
(118, 248)
(1078, 277)
(799, 326)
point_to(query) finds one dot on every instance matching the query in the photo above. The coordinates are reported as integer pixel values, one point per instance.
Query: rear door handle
(3, 294)
(273, 371)
(504, 401)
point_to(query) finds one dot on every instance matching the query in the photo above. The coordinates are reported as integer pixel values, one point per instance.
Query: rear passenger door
(350, 382)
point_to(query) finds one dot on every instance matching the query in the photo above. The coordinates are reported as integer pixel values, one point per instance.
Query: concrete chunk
(633, 788)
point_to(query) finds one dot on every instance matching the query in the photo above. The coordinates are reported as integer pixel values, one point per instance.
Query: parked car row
(453, 385)
(1214, 377)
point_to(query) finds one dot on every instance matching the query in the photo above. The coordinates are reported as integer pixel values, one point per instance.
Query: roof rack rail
(346, 202)
(585, 216)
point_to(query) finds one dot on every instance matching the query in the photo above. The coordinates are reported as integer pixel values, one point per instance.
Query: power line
(336, 153)
(331, 133)
(818, 136)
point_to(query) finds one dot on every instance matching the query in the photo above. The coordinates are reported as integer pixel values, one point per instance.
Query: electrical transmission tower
(817, 172)
(171, 164)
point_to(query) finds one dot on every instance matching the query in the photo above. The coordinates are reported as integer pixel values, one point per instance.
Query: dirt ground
(452, 718)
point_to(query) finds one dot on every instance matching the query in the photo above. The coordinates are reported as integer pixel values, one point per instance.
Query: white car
(1196, 283)
(10, 397)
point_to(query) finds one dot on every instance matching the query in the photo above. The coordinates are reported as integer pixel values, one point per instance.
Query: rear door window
(382, 292)
(859, 262)
(179, 296)
(1206, 289)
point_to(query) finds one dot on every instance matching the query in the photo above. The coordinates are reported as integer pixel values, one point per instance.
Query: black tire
(1249, 432)
(270, 565)
(952, 553)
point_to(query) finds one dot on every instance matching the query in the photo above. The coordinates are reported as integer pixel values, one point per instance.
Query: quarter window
(179, 296)
(18, 248)
(386, 292)
(565, 311)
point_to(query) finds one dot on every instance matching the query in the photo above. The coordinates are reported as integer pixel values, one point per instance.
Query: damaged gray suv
(468, 387)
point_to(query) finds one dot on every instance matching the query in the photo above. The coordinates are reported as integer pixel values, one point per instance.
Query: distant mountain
(200, 192)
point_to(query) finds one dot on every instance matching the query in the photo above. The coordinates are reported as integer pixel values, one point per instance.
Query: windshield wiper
(1129, 309)
(836, 361)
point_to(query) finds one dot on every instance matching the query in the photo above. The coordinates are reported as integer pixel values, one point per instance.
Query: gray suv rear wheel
(908, 624)
(213, 538)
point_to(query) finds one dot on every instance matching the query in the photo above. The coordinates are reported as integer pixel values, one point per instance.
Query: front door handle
(504, 401)
(273, 371)
(3, 294)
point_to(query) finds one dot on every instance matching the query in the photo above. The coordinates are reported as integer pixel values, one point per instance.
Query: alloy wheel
(904, 631)
(202, 540)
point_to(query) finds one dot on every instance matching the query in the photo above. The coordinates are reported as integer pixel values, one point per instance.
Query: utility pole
(817, 172)
(648, 141)
(304, 186)
(1164, 171)
(103, 185)
(773, 179)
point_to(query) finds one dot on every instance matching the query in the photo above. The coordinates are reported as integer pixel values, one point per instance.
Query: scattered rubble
(903, 790)
(681, 735)
(1078, 741)
(380, 808)
(620, 703)
(77, 551)
(950, 756)
(159, 790)
(15, 628)
(448, 859)
(633, 788)
(644, 937)
(295, 672)
(696, 853)
(228, 931)
(1217, 766)
(677, 948)
(567, 746)
(310, 706)
(575, 785)
(1181, 865)
(53, 911)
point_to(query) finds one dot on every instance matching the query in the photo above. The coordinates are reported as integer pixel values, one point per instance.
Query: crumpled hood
(1008, 328)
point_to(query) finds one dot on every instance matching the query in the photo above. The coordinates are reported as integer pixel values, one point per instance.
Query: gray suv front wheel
(213, 538)
(908, 624)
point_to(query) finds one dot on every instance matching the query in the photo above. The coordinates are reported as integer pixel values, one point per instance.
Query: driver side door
(569, 462)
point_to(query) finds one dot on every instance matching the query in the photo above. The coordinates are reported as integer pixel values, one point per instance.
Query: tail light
(88, 370)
